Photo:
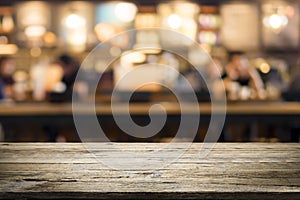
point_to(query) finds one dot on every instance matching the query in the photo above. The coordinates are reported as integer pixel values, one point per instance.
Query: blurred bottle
(20, 86)
(38, 73)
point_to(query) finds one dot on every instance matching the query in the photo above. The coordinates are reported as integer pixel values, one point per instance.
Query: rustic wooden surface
(230, 171)
(271, 108)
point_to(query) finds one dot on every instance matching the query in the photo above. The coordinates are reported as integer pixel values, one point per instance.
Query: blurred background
(254, 46)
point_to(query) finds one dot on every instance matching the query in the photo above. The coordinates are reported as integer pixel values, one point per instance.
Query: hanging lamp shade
(33, 17)
(75, 22)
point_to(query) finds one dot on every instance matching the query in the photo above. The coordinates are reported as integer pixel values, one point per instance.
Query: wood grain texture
(230, 171)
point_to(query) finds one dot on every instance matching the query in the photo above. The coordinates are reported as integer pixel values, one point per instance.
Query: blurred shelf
(238, 108)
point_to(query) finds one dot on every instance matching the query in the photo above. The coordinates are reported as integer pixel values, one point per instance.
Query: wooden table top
(230, 171)
(271, 108)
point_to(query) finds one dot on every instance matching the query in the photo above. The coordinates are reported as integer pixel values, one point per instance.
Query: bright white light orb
(74, 21)
(35, 31)
(125, 12)
(275, 21)
(174, 21)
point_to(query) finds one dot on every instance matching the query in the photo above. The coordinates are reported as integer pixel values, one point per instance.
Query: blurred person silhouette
(293, 94)
(242, 82)
(293, 91)
(240, 74)
(7, 69)
(63, 90)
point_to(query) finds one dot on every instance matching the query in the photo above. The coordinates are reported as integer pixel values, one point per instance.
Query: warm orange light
(8, 49)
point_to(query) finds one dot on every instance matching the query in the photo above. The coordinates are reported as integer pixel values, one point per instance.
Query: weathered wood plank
(230, 171)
